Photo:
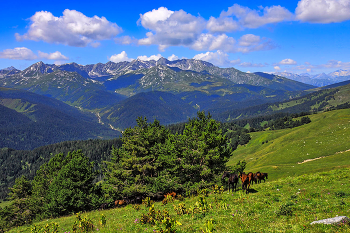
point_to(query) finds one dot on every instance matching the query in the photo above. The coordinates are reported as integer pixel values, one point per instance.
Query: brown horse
(246, 179)
(232, 180)
(173, 194)
(251, 177)
(257, 177)
(118, 203)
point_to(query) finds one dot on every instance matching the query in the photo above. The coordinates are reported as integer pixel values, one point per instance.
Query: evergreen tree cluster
(151, 160)
(16, 163)
(275, 121)
(287, 122)
(62, 186)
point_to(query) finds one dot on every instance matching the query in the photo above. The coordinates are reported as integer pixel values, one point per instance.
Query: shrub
(180, 209)
(147, 202)
(82, 224)
(48, 228)
(285, 210)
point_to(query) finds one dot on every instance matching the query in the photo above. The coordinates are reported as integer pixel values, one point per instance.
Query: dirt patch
(309, 160)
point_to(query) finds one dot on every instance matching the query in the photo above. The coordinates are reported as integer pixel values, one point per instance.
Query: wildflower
(233, 215)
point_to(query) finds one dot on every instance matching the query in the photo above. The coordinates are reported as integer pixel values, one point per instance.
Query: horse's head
(226, 174)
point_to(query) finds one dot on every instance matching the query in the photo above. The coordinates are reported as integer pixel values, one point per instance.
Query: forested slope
(15, 163)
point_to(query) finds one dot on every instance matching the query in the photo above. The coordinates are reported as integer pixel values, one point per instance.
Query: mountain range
(318, 80)
(114, 94)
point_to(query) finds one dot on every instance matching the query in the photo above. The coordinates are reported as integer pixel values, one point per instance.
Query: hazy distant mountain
(339, 73)
(320, 99)
(318, 80)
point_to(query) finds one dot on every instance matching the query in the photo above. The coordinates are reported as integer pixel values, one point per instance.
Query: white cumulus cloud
(249, 40)
(218, 58)
(170, 28)
(178, 28)
(208, 41)
(287, 61)
(19, 53)
(53, 56)
(173, 57)
(277, 68)
(73, 29)
(250, 43)
(248, 18)
(323, 11)
(23, 53)
(123, 56)
(246, 44)
(152, 57)
(222, 24)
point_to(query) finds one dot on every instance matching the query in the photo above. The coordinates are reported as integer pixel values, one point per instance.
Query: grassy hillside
(309, 169)
(291, 151)
(287, 205)
(317, 100)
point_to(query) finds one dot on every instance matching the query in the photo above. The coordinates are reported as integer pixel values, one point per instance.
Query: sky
(306, 36)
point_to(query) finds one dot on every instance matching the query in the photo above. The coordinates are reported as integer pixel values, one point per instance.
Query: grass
(281, 152)
(286, 205)
(294, 195)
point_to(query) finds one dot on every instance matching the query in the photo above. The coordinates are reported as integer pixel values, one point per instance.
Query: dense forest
(306, 103)
(273, 121)
(15, 163)
(150, 160)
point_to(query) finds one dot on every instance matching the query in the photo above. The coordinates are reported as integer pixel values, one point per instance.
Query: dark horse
(232, 180)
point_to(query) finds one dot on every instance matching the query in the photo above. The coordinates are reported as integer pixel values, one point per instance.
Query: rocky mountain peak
(39, 68)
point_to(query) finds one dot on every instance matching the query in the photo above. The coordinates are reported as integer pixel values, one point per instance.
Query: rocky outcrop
(335, 220)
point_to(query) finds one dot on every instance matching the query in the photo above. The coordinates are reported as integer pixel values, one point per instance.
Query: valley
(49, 111)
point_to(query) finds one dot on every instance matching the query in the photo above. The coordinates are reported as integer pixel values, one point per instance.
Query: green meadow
(309, 174)
(285, 205)
(321, 145)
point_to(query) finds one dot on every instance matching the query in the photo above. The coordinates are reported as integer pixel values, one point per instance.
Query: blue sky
(306, 36)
